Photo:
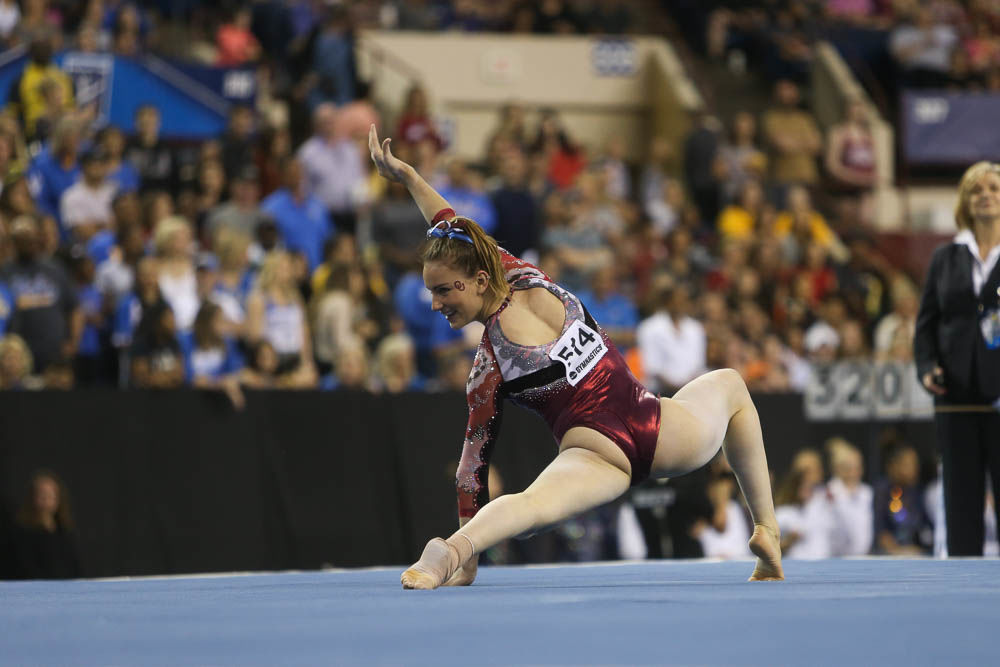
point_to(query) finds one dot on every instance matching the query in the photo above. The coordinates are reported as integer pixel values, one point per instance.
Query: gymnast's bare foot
(766, 545)
(437, 563)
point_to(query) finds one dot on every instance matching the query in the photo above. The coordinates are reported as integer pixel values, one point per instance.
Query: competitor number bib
(579, 349)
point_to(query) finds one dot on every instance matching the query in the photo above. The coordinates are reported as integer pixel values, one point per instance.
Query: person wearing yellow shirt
(27, 93)
(739, 220)
(801, 220)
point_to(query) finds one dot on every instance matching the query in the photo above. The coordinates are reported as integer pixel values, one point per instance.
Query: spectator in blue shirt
(430, 332)
(88, 353)
(333, 59)
(234, 280)
(301, 218)
(466, 195)
(518, 219)
(116, 274)
(618, 316)
(130, 310)
(45, 310)
(902, 527)
(6, 307)
(120, 171)
(55, 169)
(212, 360)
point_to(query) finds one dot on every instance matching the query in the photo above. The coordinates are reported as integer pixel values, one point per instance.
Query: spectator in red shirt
(235, 42)
(415, 124)
(821, 276)
(565, 159)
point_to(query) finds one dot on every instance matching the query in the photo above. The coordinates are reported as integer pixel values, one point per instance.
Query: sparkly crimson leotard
(605, 397)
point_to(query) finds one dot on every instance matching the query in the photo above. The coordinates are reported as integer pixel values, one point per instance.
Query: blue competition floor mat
(849, 612)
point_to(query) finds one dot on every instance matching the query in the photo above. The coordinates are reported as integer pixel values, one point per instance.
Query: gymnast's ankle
(463, 546)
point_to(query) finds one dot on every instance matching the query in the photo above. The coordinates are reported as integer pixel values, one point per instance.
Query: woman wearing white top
(275, 314)
(231, 289)
(854, 518)
(805, 516)
(174, 243)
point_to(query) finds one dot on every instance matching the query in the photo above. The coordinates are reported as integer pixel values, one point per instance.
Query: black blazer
(947, 329)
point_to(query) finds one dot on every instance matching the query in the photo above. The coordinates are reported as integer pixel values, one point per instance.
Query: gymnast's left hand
(466, 574)
(388, 165)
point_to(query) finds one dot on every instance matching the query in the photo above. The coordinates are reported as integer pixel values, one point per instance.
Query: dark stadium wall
(179, 482)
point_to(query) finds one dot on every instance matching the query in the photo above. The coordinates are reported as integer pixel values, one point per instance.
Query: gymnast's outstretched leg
(716, 410)
(589, 471)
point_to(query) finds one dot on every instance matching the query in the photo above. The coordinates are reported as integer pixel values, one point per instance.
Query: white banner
(855, 390)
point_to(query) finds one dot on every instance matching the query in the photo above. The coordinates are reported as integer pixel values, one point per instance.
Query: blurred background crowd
(272, 256)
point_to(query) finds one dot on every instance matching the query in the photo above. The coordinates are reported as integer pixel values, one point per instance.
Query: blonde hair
(837, 449)
(64, 129)
(963, 218)
(356, 349)
(231, 248)
(267, 279)
(16, 344)
(902, 287)
(165, 231)
(483, 254)
(391, 348)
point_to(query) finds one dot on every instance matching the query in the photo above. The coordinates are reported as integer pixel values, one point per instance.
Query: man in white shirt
(671, 343)
(334, 168)
(85, 207)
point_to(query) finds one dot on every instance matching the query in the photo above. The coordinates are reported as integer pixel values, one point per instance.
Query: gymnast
(543, 351)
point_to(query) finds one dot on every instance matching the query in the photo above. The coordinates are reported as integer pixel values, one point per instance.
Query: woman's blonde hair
(165, 231)
(483, 254)
(963, 217)
(16, 344)
(231, 248)
(389, 350)
(267, 279)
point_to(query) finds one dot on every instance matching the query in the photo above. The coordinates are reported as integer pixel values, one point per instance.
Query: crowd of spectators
(893, 43)
(261, 259)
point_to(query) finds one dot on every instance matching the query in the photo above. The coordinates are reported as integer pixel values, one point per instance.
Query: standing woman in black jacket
(957, 350)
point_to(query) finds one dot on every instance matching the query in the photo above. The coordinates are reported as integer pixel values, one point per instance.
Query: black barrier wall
(179, 482)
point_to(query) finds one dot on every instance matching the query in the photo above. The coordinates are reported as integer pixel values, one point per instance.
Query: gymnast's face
(460, 298)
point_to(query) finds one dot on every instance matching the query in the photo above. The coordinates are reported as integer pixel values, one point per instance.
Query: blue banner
(945, 128)
(193, 100)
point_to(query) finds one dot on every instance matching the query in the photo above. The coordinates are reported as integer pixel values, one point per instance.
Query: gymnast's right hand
(466, 574)
(388, 165)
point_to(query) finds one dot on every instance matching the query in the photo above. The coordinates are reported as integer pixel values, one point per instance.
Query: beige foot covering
(436, 565)
(766, 545)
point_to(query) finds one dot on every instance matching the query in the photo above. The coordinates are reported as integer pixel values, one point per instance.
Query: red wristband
(443, 214)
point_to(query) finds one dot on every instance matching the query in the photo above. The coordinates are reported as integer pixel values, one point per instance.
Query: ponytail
(461, 243)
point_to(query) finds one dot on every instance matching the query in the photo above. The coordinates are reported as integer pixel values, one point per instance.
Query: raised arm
(394, 169)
